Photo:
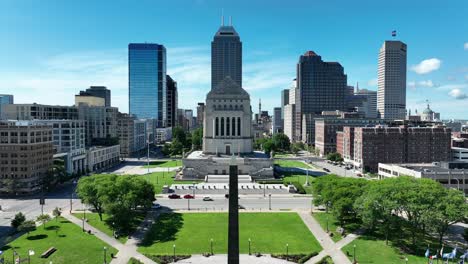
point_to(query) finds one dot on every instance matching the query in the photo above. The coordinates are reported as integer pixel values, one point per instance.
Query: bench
(48, 252)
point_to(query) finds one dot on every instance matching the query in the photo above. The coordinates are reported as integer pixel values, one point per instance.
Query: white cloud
(424, 83)
(427, 66)
(372, 82)
(458, 94)
(465, 46)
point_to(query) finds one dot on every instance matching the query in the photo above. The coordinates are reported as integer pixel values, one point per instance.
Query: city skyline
(437, 54)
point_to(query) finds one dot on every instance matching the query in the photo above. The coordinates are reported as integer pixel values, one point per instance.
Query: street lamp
(250, 241)
(173, 247)
(458, 183)
(188, 204)
(287, 251)
(71, 197)
(354, 253)
(105, 255)
(327, 223)
(211, 246)
(269, 200)
(147, 157)
(193, 189)
(406, 260)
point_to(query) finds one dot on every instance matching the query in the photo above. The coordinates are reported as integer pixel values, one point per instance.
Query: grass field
(301, 180)
(93, 220)
(164, 164)
(370, 250)
(159, 179)
(73, 246)
(191, 233)
(292, 164)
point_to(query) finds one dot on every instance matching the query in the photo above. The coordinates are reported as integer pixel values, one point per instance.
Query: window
(217, 127)
(233, 126)
(222, 126)
(228, 128)
(238, 126)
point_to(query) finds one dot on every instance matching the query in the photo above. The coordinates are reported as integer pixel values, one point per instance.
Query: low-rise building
(26, 152)
(449, 174)
(38, 111)
(163, 134)
(460, 154)
(101, 158)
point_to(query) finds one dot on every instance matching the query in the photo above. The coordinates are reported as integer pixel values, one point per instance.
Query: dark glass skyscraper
(171, 101)
(226, 56)
(147, 91)
(321, 87)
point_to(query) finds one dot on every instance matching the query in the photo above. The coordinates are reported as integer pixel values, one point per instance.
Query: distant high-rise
(284, 100)
(391, 95)
(321, 86)
(277, 126)
(200, 111)
(172, 102)
(99, 91)
(147, 82)
(4, 100)
(226, 56)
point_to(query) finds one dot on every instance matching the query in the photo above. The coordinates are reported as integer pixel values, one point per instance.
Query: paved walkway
(330, 248)
(125, 251)
(222, 258)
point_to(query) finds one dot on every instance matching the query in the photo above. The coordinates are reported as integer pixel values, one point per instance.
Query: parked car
(241, 206)
(227, 196)
(188, 196)
(156, 206)
(207, 198)
(325, 169)
(174, 196)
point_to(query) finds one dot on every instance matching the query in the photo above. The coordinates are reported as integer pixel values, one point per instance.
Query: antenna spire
(222, 16)
(230, 21)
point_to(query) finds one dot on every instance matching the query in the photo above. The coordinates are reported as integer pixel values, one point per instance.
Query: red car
(188, 196)
(174, 196)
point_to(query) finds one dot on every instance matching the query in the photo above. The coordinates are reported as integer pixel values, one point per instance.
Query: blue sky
(49, 50)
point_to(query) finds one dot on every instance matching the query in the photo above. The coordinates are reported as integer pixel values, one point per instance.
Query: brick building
(26, 152)
(374, 145)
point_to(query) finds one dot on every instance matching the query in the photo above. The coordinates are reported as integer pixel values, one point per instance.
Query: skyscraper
(284, 100)
(391, 95)
(99, 91)
(172, 101)
(147, 81)
(226, 56)
(4, 100)
(322, 86)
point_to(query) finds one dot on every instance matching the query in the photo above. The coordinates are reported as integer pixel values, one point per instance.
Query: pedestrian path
(125, 251)
(222, 258)
(330, 248)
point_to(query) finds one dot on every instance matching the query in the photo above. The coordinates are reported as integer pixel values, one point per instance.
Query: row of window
(227, 126)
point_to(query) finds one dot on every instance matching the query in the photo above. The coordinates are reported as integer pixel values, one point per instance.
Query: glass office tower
(147, 81)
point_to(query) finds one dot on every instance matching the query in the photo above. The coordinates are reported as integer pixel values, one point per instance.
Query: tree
(268, 147)
(178, 134)
(166, 149)
(43, 219)
(177, 147)
(376, 207)
(449, 209)
(334, 157)
(18, 220)
(296, 147)
(27, 226)
(197, 138)
(56, 213)
(281, 142)
(91, 190)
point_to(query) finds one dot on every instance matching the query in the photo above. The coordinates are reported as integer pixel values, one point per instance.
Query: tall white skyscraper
(391, 95)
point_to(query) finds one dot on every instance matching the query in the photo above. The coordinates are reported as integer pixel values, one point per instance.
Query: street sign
(42, 201)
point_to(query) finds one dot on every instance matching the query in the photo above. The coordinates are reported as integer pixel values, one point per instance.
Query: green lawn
(93, 220)
(369, 250)
(301, 180)
(332, 224)
(73, 246)
(292, 164)
(191, 233)
(159, 179)
(164, 164)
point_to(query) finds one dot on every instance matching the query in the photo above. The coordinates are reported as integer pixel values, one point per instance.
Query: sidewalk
(125, 251)
(222, 258)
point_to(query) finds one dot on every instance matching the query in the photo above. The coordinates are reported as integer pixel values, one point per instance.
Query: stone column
(233, 228)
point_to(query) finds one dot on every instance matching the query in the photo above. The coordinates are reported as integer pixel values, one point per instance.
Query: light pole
(287, 251)
(173, 247)
(354, 253)
(327, 223)
(250, 241)
(264, 185)
(193, 189)
(458, 183)
(71, 197)
(211, 246)
(147, 156)
(269, 200)
(188, 204)
(406, 260)
(105, 255)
